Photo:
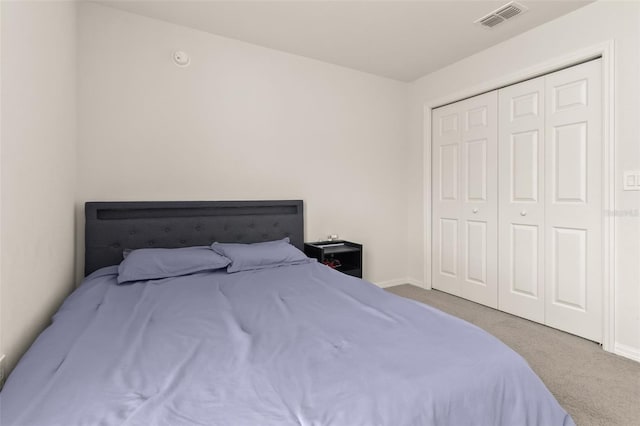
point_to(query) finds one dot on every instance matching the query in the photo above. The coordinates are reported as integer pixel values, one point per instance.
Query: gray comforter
(294, 345)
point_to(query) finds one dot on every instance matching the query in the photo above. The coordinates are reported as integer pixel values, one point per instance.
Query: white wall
(38, 166)
(590, 25)
(241, 122)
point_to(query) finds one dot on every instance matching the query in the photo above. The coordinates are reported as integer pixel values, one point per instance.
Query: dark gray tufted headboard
(112, 227)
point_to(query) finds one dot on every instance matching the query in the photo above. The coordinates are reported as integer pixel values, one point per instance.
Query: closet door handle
(474, 211)
(523, 213)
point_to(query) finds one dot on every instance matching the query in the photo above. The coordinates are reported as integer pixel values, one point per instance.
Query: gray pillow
(156, 263)
(246, 257)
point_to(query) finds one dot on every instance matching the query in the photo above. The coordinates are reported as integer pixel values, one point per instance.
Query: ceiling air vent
(491, 21)
(501, 14)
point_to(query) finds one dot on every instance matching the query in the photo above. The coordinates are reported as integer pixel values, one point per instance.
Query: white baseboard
(627, 351)
(399, 281)
(416, 282)
(391, 283)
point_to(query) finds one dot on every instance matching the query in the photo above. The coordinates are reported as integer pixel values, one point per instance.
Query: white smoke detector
(181, 58)
(501, 14)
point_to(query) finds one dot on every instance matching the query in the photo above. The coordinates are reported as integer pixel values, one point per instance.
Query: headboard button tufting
(151, 243)
(167, 229)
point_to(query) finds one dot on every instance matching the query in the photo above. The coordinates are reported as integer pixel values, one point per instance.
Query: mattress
(292, 345)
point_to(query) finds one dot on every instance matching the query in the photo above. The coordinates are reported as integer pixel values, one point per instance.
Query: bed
(294, 343)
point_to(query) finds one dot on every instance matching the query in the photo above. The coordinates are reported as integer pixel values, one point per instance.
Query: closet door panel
(524, 165)
(448, 247)
(464, 195)
(476, 257)
(573, 228)
(521, 199)
(446, 137)
(479, 199)
(524, 261)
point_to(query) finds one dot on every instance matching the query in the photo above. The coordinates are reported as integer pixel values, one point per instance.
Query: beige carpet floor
(596, 387)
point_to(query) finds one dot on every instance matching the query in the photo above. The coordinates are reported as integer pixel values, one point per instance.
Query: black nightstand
(344, 255)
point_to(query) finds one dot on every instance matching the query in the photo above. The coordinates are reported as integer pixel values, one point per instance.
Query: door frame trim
(605, 51)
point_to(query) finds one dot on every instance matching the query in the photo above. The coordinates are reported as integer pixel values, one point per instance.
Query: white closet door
(479, 199)
(573, 200)
(521, 194)
(464, 173)
(446, 139)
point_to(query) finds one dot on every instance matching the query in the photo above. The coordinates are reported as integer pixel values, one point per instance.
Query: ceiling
(402, 40)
